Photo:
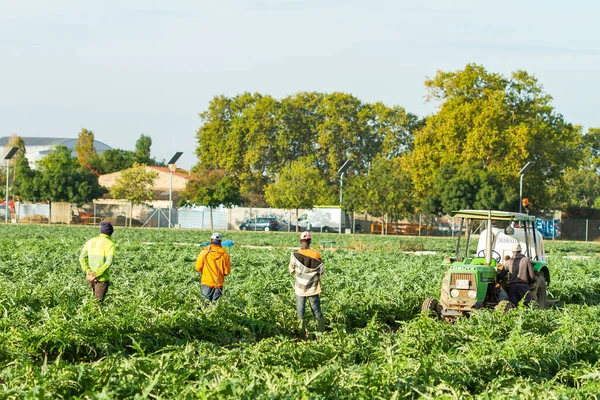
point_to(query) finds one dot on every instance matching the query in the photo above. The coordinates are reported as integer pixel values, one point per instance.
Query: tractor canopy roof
(496, 215)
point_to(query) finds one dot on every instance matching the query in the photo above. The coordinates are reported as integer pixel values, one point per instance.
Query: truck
(324, 219)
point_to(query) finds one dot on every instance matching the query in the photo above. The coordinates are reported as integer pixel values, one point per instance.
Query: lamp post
(341, 171)
(171, 166)
(522, 172)
(9, 154)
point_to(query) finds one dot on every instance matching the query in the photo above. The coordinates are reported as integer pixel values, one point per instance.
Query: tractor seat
(481, 261)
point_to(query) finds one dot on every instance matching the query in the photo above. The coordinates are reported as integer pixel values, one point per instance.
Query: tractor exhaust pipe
(488, 250)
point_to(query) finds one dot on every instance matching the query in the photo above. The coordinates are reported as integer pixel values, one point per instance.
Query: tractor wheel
(538, 292)
(504, 306)
(431, 307)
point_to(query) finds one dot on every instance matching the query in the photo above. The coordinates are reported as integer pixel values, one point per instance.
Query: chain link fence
(124, 215)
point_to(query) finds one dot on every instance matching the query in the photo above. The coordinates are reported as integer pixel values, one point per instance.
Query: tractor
(470, 280)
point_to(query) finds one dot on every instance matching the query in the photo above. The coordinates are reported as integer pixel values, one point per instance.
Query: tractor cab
(470, 280)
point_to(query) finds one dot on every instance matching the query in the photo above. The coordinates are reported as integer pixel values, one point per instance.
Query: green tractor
(470, 281)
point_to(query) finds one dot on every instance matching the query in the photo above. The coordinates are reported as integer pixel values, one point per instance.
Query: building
(37, 148)
(162, 184)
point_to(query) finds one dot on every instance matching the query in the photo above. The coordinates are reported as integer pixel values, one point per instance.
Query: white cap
(305, 236)
(517, 247)
(216, 236)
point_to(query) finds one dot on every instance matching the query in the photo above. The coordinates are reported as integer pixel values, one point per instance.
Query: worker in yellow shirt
(96, 259)
(214, 264)
(307, 267)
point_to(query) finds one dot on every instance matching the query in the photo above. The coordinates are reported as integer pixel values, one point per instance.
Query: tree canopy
(59, 177)
(253, 136)
(135, 185)
(496, 124)
(298, 185)
(211, 188)
(86, 153)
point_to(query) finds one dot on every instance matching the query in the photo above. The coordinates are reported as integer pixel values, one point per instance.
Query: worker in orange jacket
(214, 264)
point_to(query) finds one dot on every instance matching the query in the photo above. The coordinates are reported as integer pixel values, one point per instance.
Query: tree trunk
(296, 220)
(130, 214)
(211, 219)
(290, 221)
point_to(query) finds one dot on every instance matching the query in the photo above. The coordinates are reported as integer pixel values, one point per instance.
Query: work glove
(90, 276)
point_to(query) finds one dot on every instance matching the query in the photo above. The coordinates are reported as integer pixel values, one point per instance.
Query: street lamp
(522, 172)
(7, 157)
(171, 165)
(341, 172)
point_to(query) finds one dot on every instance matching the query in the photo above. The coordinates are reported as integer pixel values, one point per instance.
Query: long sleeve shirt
(306, 266)
(97, 255)
(520, 269)
(214, 264)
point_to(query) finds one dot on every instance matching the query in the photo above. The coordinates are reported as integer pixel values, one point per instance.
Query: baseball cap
(305, 236)
(516, 247)
(216, 236)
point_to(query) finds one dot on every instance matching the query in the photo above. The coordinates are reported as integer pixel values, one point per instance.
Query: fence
(229, 219)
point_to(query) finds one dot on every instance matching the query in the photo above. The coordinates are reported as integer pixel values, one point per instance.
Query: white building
(37, 148)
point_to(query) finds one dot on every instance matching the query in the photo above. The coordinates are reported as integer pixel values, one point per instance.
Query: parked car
(260, 224)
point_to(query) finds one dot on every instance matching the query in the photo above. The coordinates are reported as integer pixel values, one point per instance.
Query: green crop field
(155, 337)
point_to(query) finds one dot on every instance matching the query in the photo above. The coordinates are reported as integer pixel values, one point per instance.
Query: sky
(126, 67)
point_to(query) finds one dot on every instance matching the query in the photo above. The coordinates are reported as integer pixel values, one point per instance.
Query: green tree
(501, 124)
(211, 188)
(114, 160)
(467, 186)
(299, 185)
(252, 136)
(29, 184)
(581, 186)
(384, 191)
(134, 185)
(86, 153)
(61, 178)
(142, 150)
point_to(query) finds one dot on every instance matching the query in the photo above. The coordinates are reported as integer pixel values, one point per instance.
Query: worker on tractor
(214, 264)
(307, 267)
(96, 259)
(520, 275)
(502, 281)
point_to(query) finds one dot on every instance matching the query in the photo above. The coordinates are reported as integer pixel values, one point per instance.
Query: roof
(496, 215)
(178, 172)
(48, 141)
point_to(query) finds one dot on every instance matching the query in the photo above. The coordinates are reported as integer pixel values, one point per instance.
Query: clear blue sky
(123, 67)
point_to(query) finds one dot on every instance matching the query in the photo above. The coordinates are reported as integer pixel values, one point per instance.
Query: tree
(468, 186)
(29, 184)
(134, 185)
(86, 153)
(385, 191)
(499, 123)
(142, 150)
(253, 136)
(58, 178)
(299, 185)
(114, 160)
(211, 188)
(581, 186)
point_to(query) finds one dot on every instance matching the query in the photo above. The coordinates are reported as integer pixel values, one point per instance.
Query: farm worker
(520, 271)
(96, 258)
(501, 284)
(307, 267)
(214, 264)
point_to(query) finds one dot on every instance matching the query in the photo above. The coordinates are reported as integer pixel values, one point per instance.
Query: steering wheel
(481, 253)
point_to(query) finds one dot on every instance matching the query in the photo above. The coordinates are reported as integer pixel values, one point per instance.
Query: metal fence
(124, 215)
